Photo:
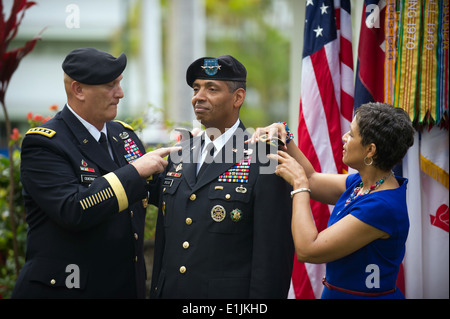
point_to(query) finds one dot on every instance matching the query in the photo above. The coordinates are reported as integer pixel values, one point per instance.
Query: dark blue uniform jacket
(85, 213)
(226, 233)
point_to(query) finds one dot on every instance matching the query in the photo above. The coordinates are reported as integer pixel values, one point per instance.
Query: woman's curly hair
(389, 128)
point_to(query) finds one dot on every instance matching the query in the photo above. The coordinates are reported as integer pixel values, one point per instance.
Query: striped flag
(326, 109)
(369, 82)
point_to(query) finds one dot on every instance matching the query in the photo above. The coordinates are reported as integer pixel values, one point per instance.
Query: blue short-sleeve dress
(374, 267)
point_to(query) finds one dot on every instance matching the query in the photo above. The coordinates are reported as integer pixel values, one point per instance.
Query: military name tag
(168, 182)
(88, 178)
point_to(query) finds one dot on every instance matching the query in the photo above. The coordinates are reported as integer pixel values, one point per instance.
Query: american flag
(326, 110)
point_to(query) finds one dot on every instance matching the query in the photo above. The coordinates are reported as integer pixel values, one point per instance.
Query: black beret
(92, 66)
(223, 68)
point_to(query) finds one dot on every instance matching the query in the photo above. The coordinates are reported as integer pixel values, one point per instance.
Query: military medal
(133, 152)
(218, 213)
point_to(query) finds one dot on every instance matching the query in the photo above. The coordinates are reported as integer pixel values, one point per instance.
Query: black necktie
(208, 159)
(103, 142)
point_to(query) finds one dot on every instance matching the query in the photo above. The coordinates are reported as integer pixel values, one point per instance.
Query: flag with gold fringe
(421, 75)
(403, 61)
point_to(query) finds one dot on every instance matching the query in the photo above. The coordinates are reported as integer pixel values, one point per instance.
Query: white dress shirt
(219, 143)
(92, 129)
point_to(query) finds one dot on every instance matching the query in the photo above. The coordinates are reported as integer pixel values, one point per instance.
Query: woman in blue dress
(364, 243)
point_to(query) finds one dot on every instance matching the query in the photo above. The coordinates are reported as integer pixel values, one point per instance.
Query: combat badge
(218, 213)
(124, 135)
(236, 215)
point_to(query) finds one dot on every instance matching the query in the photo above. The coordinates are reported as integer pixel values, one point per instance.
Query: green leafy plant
(9, 61)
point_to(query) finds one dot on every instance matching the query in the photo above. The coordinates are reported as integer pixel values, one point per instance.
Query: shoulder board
(274, 141)
(125, 125)
(41, 131)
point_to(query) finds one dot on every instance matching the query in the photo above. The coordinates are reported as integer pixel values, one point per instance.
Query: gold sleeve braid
(116, 189)
(96, 198)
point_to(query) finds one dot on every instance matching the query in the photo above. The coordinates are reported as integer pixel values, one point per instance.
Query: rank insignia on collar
(211, 66)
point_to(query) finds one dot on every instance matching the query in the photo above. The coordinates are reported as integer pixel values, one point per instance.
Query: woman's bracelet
(299, 190)
(289, 135)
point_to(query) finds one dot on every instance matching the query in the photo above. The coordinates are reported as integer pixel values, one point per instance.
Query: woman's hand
(274, 130)
(290, 170)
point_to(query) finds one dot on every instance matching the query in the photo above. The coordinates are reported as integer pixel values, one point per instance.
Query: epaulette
(41, 131)
(125, 125)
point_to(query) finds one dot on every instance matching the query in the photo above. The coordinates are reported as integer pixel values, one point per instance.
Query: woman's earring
(371, 160)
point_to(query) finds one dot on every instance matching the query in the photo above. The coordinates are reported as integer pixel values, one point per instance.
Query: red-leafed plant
(9, 61)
